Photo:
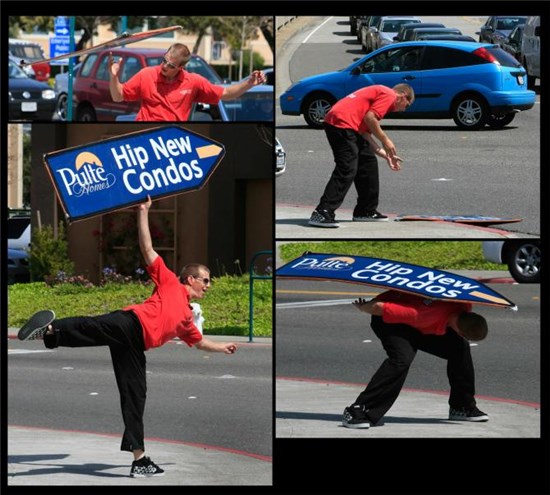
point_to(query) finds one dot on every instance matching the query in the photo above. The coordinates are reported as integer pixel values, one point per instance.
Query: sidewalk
(313, 409)
(67, 458)
(292, 223)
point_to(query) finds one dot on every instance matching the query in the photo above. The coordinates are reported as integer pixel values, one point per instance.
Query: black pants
(355, 163)
(122, 332)
(401, 343)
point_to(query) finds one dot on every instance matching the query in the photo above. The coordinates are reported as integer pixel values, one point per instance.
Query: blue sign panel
(61, 26)
(394, 275)
(60, 45)
(119, 172)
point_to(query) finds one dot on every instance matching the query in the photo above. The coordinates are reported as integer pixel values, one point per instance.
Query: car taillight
(486, 55)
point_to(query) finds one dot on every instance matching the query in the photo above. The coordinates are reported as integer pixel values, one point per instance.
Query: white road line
(25, 351)
(308, 304)
(313, 32)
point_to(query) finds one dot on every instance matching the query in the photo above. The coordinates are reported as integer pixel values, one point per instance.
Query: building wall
(104, 33)
(229, 219)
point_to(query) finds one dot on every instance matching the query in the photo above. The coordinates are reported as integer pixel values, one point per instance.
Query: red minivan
(91, 96)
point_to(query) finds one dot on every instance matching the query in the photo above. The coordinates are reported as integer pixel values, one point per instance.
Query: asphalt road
(334, 342)
(193, 396)
(446, 171)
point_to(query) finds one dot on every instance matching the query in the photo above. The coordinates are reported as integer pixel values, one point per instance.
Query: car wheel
(500, 121)
(316, 107)
(61, 109)
(523, 260)
(86, 114)
(470, 112)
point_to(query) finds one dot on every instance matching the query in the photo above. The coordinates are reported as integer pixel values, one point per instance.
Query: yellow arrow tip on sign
(209, 150)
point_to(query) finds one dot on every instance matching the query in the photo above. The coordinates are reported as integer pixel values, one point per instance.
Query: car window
(392, 61)
(197, 66)
(16, 72)
(88, 65)
(102, 72)
(131, 67)
(28, 52)
(438, 57)
(16, 227)
(510, 22)
(503, 57)
(152, 61)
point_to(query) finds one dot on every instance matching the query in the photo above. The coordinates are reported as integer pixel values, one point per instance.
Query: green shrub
(49, 255)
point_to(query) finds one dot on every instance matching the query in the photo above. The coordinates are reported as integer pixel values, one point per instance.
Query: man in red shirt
(351, 126)
(167, 91)
(130, 332)
(406, 323)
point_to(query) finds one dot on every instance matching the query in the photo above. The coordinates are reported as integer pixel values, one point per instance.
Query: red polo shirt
(163, 100)
(426, 315)
(349, 112)
(167, 313)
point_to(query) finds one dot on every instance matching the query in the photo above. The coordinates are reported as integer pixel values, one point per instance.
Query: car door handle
(409, 78)
(93, 85)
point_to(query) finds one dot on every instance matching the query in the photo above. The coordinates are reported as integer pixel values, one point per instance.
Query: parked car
(28, 51)
(367, 32)
(418, 33)
(408, 31)
(387, 27)
(269, 77)
(496, 28)
(91, 96)
(18, 266)
(512, 42)
(446, 37)
(412, 25)
(280, 158)
(352, 24)
(473, 83)
(530, 49)
(61, 87)
(19, 232)
(522, 257)
(29, 99)
(254, 105)
(27, 69)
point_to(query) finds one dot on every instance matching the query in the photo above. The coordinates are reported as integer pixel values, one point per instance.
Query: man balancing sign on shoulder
(406, 323)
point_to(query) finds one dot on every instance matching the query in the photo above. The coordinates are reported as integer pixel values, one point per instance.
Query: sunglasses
(170, 65)
(205, 281)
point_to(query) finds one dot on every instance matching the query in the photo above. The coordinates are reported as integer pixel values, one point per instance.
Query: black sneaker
(323, 218)
(371, 216)
(37, 325)
(465, 414)
(145, 468)
(355, 417)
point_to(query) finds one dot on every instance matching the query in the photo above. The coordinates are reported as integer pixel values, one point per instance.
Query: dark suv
(91, 95)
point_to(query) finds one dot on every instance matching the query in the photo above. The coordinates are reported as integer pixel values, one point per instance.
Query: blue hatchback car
(475, 84)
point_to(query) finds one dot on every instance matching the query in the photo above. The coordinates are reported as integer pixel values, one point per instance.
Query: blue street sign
(61, 26)
(108, 175)
(395, 275)
(60, 45)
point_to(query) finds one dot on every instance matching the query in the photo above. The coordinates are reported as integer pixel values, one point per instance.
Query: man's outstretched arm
(144, 234)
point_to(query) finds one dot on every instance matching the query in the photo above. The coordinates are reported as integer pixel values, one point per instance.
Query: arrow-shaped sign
(108, 175)
(395, 275)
